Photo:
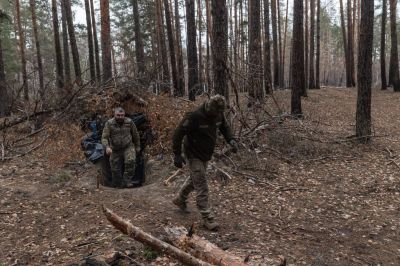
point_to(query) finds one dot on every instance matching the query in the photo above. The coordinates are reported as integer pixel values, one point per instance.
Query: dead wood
(202, 248)
(169, 179)
(24, 118)
(147, 239)
(27, 152)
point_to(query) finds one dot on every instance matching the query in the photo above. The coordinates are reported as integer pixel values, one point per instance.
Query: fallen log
(24, 118)
(141, 236)
(201, 248)
(169, 179)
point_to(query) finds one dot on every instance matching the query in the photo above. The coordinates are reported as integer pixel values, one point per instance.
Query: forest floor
(300, 189)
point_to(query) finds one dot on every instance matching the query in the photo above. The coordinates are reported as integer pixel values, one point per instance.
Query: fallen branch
(141, 236)
(171, 177)
(28, 151)
(24, 118)
(392, 161)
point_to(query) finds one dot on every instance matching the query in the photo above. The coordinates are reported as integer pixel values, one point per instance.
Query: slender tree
(267, 50)
(180, 91)
(4, 97)
(209, 36)
(171, 45)
(255, 60)
(317, 59)
(306, 32)
(383, 44)
(199, 21)
(106, 40)
(57, 47)
(394, 63)
(67, 67)
(363, 113)
(345, 46)
(350, 45)
(38, 50)
(139, 49)
(311, 74)
(96, 43)
(297, 58)
(90, 41)
(22, 50)
(275, 43)
(73, 43)
(193, 76)
(161, 47)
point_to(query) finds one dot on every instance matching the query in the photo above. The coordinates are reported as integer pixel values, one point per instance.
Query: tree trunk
(267, 51)
(209, 36)
(345, 46)
(311, 77)
(57, 47)
(255, 60)
(171, 45)
(67, 67)
(306, 32)
(90, 41)
(22, 51)
(4, 104)
(281, 74)
(162, 48)
(181, 71)
(297, 58)
(38, 50)
(394, 63)
(105, 40)
(139, 49)
(199, 20)
(96, 43)
(317, 60)
(363, 113)
(193, 76)
(383, 44)
(72, 40)
(350, 40)
(275, 43)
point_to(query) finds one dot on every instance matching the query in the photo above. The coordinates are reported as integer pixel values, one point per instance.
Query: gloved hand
(234, 145)
(179, 161)
(108, 151)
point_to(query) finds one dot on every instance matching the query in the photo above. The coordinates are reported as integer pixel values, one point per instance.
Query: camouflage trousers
(120, 159)
(197, 182)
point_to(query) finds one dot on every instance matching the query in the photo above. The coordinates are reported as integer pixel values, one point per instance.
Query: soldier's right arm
(180, 132)
(105, 137)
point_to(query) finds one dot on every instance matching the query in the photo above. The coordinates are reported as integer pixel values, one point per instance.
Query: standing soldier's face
(119, 116)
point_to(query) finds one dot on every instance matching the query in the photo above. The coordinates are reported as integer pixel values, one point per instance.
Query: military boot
(210, 224)
(180, 203)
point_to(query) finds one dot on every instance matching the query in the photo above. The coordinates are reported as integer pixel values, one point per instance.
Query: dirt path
(333, 204)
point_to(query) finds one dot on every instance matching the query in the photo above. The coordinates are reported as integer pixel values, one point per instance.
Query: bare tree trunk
(350, 42)
(90, 41)
(311, 78)
(297, 58)
(72, 40)
(283, 60)
(199, 20)
(181, 71)
(96, 43)
(191, 49)
(162, 48)
(67, 67)
(281, 74)
(267, 50)
(363, 113)
(255, 60)
(383, 43)
(275, 43)
(317, 60)
(171, 45)
(394, 63)
(345, 45)
(106, 40)
(306, 37)
(38, 50)
(57, 47)
(209, 35)
(220, 46)
(139, 49)
(4, 99)
(22, 51)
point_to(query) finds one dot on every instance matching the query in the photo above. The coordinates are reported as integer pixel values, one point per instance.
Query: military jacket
(198, 131)
(120, 136)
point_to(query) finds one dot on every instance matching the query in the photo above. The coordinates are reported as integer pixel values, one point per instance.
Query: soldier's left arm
(135, 136)
(225, 129)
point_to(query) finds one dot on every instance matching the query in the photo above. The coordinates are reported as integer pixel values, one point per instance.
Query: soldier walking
(198, 132)
(122, 142)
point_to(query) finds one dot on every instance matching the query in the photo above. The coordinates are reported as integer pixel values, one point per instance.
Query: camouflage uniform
(198, 131)
(123, 138)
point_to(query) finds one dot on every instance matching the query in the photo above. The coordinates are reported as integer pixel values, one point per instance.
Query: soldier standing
(122, 142)
(198, 132)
